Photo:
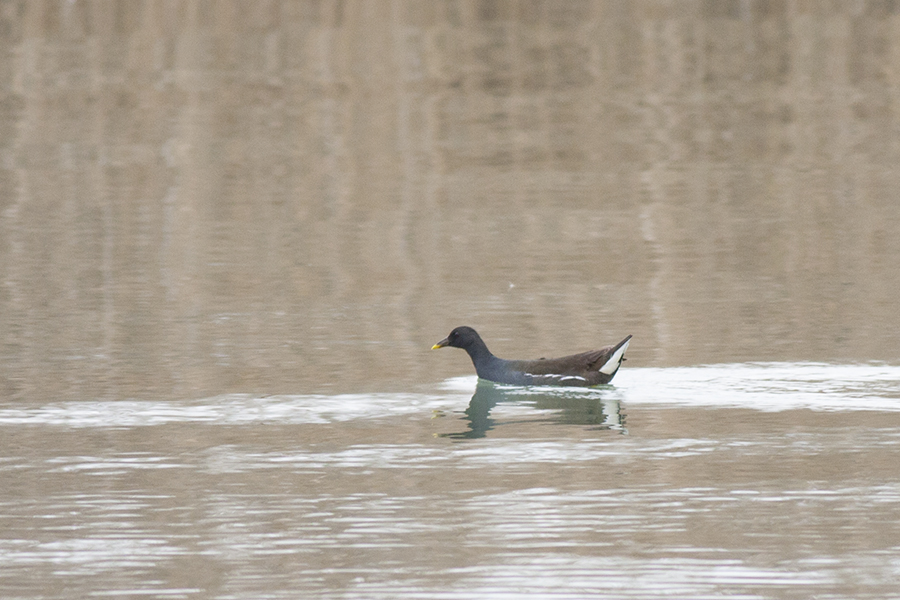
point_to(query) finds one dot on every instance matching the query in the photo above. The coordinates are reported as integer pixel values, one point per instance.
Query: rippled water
(745, 480)
(230, 232)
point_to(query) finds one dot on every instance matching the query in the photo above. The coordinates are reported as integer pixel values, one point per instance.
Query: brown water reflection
(379, 497)
(299, 196)
(229, 234)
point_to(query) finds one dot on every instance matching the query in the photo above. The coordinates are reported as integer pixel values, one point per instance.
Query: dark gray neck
(481, 357)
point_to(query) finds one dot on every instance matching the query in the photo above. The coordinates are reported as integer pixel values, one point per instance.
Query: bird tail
(618, 355)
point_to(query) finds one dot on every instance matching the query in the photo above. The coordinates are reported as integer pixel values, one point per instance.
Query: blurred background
(294, 197)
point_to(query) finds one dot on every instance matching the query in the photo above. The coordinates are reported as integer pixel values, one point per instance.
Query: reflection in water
(223, 226)
(598, 406)
(768, 386)
(710, 495)
(299, 199)
(757, 386)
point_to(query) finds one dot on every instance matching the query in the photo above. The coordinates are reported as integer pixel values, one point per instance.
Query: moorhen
(586, 369)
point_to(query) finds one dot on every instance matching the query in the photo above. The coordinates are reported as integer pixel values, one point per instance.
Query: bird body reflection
(598, 407)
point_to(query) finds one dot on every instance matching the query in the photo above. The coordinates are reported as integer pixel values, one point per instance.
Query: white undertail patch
(615, 360)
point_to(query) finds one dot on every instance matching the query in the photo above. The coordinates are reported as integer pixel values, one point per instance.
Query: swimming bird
(585, 369)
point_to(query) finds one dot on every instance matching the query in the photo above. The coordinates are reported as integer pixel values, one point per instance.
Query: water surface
(742, 480)
(230, 232)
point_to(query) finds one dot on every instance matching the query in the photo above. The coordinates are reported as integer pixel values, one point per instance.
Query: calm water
(230, 232)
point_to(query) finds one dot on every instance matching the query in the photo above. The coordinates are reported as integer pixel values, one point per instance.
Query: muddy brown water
(229, 235)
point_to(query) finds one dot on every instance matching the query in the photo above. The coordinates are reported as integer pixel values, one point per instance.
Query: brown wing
(575, 364)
